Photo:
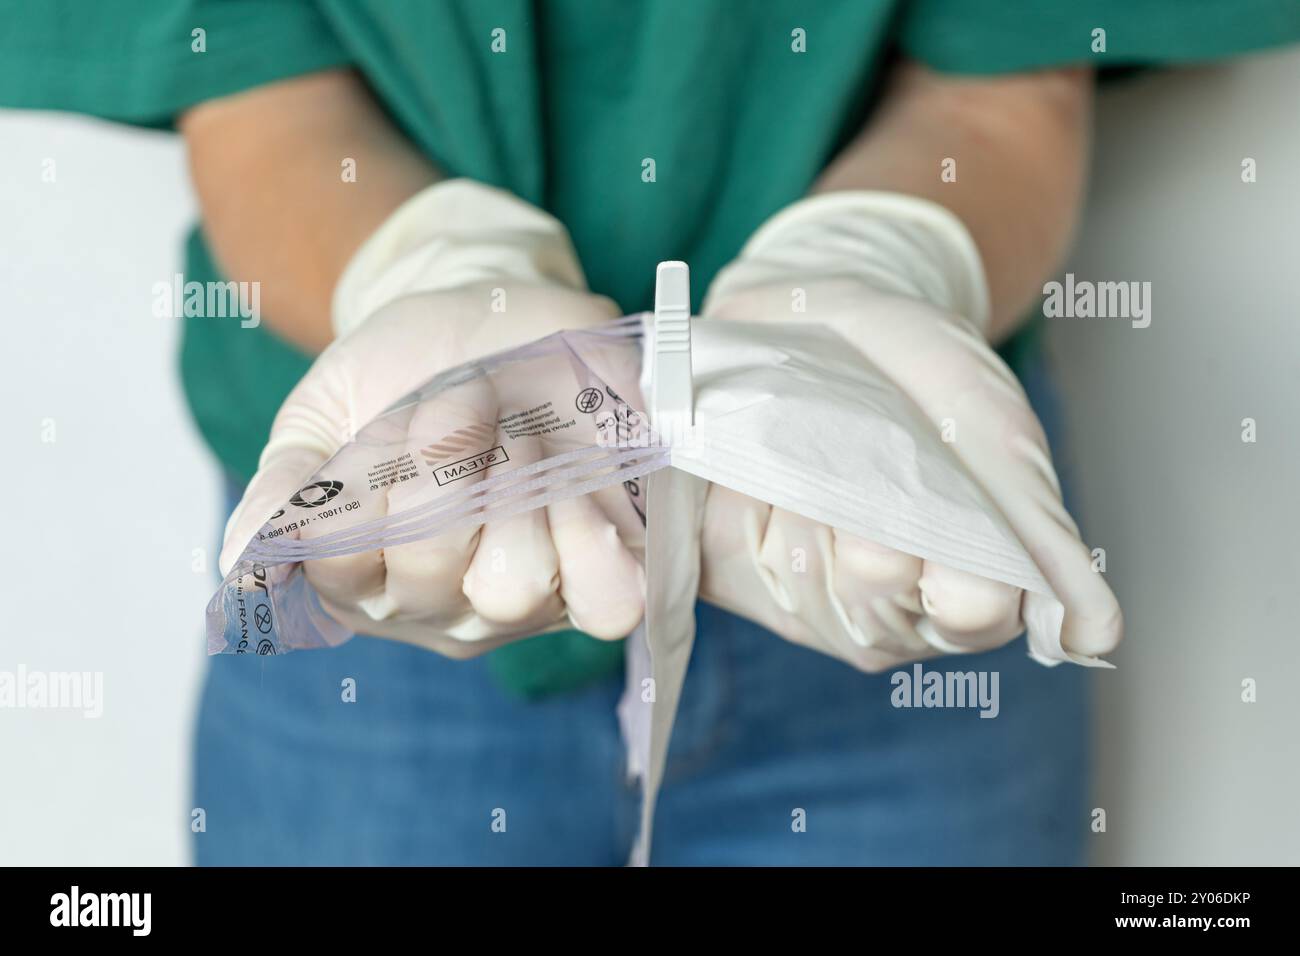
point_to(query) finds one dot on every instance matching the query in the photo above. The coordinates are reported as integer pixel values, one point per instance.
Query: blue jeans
(432, 754)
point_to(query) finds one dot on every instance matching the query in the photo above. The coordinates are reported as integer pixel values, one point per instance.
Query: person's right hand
(459, 272)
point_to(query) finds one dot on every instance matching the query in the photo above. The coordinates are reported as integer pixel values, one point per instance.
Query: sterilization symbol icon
(316, 494)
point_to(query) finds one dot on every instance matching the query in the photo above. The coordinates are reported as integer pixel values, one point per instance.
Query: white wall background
(102, 523)
(1200, 529)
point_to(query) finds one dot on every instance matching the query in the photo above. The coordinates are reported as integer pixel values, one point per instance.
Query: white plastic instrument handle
(672, 396)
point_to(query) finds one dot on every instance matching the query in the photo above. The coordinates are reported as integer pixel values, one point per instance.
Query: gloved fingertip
(1093, 636)
(509, 599)
(608, 604)
(964, 603)
(864, 569)
(611, 621)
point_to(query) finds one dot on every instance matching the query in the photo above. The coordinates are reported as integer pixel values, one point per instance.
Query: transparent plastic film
(475, 446)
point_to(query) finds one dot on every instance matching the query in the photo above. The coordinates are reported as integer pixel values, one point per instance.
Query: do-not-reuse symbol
(589, 399)
(316, 494)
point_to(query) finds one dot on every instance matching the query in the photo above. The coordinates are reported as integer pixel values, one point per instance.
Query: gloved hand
(901, 280)
(460, 271)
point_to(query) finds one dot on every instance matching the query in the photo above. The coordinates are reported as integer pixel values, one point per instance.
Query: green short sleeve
(143, 61)
(996, 36)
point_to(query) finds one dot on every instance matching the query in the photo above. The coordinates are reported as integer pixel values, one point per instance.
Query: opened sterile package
(791, 416)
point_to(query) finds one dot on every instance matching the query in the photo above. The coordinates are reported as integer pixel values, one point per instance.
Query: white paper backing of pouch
(795, 417)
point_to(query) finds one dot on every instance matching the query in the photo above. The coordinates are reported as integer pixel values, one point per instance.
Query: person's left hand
(901, 281)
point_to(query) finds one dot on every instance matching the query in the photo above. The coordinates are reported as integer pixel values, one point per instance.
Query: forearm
(268, 169)
(1020, 146)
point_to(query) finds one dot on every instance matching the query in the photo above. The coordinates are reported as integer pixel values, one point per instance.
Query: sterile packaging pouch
(789, 415)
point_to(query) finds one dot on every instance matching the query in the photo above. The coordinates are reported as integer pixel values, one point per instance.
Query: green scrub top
(739, 103)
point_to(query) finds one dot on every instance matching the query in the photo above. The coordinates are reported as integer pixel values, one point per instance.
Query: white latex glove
(900, 279)
(458, 272)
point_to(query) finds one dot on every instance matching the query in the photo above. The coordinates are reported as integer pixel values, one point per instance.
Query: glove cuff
(896, 243)
(451, 234)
